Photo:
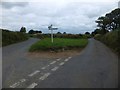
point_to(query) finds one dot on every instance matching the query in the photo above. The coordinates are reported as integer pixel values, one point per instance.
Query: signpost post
(50, 28)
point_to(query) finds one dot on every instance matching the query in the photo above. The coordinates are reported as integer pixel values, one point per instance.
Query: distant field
(59, 44)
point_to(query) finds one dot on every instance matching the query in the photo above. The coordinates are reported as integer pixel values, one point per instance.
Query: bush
(72, 36)
(9, 37)
(98, 36)
(111, 39)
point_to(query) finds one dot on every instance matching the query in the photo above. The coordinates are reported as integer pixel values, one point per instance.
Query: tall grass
(59, 44)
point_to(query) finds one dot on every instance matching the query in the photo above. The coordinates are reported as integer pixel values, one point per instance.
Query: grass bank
(60, 44)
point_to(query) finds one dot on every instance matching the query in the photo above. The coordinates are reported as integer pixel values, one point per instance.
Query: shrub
(98, 36)
(72, 36)
(10, 37)
(111, 39)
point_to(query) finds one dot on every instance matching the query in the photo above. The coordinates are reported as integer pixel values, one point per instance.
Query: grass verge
(60, 44)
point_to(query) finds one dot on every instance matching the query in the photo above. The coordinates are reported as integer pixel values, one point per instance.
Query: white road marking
(62, 63)
(48, 65)
(53, 62)
(23, 80)
(32, 85)
(58, 59)
(17, 83)
(69, 57)
(44, 76)
(43, 68)
(66, 60)
(55, 68)
(35, 72)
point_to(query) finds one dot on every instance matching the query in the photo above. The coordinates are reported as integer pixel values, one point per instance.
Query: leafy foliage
(23, 29)
(110, 22)
(10, 37)
(87, 33)
(59, 35)
(34, 32)
(111, 39)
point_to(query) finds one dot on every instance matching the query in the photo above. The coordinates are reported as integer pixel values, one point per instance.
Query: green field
(59, 44)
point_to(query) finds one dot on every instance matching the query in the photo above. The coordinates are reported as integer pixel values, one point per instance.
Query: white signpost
(50, 28)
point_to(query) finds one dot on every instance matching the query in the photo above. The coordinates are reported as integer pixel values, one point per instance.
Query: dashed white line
(55, 68)
(32, 85)
(43, 68)
(66, 60)
(53, 62)
(35, 72)
(58, 59)
(69, 57)
(17, 83)
(23, 80)
(62, 63)
(44, 76)
(48, 65)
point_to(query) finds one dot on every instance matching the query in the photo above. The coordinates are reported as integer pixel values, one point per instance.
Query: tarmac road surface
(95, 67)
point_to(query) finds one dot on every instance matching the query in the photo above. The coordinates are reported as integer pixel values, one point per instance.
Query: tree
(87, 33)
(34, 32)
(102, 24)
(93, 33)
(39, 31)
(23, 30)
(31, 31)
(111, 21)
(58, 32)
(64, 32)
(114, 16)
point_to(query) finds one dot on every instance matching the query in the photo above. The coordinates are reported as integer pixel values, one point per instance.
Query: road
(95, 67)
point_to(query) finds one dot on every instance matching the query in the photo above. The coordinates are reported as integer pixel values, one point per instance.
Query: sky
(71, 16)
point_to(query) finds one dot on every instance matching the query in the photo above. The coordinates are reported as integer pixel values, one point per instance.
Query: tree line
(108, 30)
(23, 30)
(107, 23)
(10, 37)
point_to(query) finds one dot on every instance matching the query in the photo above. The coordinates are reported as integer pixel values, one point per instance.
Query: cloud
(119, 4)
(9, 5)
(68, 15)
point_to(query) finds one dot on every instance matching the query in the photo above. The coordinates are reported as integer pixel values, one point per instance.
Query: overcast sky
(71, 16)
